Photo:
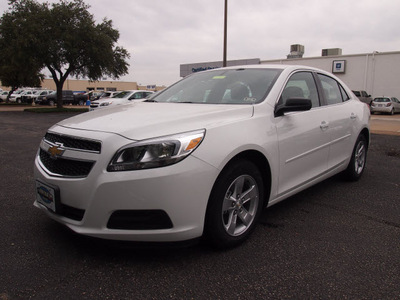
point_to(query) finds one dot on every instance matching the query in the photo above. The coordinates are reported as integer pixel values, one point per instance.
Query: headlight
(105, 103)
(157, 152)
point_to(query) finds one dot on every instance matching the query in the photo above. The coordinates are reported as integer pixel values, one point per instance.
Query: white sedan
(203, 157)
(123, 97)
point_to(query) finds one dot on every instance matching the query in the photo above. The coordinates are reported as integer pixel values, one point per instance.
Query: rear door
(342, 114)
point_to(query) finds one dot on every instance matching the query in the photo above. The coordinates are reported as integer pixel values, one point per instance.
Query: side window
(345, 97)
(331, 90)
(137, 95)
(301, 85)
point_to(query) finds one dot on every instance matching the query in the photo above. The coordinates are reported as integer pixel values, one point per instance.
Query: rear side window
(334, 93)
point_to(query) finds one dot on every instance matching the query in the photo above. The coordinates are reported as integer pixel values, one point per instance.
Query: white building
(378, 73)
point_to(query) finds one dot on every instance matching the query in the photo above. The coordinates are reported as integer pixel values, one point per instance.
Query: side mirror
(293, 104)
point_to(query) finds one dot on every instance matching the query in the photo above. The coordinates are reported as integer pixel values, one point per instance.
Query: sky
(161, 35)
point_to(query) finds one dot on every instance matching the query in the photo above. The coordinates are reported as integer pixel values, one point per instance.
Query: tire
(235, 204)
(392, 112)
(51, 102)
(358, 160)
(18, 100)
(81, 102)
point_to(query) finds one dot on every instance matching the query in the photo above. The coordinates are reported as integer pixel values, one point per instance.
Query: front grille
(64, 166)
(73, 142)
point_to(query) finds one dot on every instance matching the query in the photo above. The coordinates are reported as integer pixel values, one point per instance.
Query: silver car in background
(388, 105)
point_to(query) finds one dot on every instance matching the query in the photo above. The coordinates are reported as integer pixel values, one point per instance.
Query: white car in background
(3, 95)
(16, 95)
(120, 98)
(202, 157)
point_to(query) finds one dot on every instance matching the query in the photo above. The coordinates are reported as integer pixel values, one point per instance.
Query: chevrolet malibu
(203, 157)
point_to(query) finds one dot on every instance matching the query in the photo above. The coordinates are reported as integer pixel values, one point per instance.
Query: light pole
(225, 30)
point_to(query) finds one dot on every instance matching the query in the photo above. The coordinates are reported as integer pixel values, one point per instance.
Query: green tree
(66, 40)
(18, 64)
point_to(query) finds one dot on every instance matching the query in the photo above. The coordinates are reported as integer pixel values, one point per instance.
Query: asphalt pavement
(336, 240)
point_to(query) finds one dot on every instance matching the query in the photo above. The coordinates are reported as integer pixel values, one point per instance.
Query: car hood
(138, 121)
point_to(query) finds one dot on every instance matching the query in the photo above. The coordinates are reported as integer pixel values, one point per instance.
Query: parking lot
(336, 240)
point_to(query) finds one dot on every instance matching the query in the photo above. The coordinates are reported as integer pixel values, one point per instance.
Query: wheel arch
(366, 134)
(261, 162)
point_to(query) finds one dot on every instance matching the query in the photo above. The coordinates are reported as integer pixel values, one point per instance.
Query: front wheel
(235, 204)
(358, 159)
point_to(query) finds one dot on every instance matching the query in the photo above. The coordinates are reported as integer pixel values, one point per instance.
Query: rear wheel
(358, 159)
(235, 203)
(51, 103)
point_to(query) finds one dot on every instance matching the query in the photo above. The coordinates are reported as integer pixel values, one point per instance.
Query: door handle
(353, 116)
(324, 125)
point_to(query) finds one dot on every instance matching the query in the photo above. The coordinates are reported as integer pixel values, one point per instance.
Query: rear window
(382, 100)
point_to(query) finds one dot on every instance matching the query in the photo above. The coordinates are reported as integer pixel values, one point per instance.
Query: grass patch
(57, 110)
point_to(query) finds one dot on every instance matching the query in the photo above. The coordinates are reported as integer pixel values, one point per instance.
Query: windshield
(124, 94)
(239, 86)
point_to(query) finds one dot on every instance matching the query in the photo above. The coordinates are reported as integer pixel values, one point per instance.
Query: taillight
(388, 104)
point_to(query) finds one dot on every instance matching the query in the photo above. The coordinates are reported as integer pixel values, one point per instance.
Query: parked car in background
(109, 94)
(15, 95)
(3, 95)
(202, 157)
(40, 93)
(24, 96)
(123, 97)
(388, 105)
(92, 95)
(363, 96)
(68, 97)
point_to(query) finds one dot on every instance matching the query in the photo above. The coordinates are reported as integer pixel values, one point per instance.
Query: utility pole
(225, 31)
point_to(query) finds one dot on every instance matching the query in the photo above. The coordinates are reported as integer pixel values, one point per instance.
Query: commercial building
(378, 73)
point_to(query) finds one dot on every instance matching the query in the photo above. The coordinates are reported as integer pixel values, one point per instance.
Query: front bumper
(181, 191)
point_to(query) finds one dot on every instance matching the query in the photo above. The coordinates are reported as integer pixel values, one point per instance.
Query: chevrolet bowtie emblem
(55, 151)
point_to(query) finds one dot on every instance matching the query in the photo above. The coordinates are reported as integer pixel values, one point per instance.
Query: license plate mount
(48, 195)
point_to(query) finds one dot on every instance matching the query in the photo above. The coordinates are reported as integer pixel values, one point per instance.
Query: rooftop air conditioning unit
(297, 48)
